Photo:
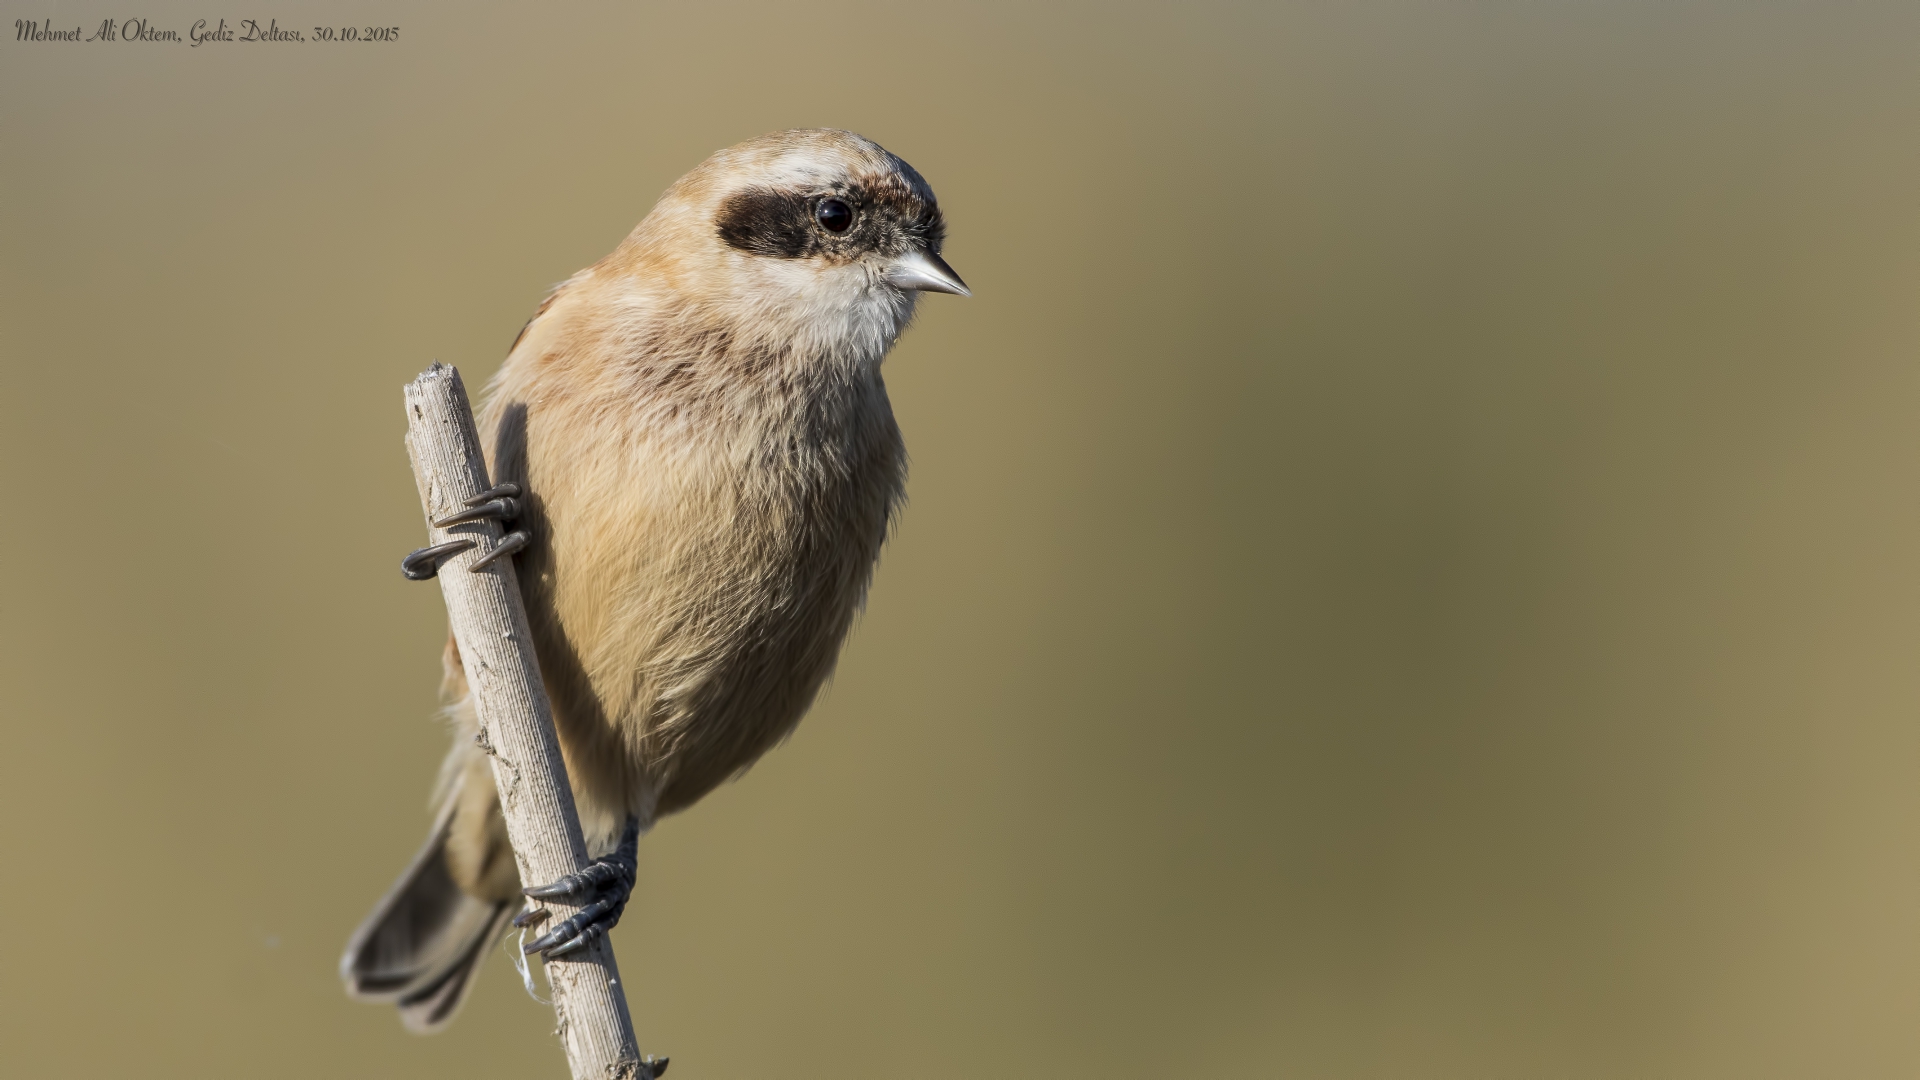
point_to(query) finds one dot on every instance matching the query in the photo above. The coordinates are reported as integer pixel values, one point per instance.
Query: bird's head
(819, 237)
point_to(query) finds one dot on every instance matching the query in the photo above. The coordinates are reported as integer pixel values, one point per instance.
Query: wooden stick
(516, 722)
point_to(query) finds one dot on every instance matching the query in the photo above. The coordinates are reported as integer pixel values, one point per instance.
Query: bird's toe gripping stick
(609, 879)
(500, 502)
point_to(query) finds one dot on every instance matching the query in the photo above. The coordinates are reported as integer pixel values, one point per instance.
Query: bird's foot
(500, 502)
(607, 881)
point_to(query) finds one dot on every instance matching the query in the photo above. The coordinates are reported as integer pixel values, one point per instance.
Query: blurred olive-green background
(1413, 567)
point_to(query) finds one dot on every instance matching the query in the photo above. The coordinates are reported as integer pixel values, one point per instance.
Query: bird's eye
(834, 215)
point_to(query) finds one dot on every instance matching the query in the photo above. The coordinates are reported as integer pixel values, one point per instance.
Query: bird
(696, 449)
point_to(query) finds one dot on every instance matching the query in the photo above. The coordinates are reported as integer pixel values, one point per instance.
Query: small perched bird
(706, 466)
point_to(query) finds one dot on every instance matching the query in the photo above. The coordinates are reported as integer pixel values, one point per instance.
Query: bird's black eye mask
(799, 225)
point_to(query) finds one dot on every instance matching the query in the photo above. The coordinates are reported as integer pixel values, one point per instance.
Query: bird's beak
(926, 272)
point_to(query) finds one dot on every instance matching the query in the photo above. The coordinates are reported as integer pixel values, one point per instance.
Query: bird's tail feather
(425, 939)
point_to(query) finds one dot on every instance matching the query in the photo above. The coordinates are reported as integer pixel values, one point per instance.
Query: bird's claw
(598, 875)
(506, 490)
(609, 880)
(508, 544)
(424, 564)
(582, 929)
(501, 502)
